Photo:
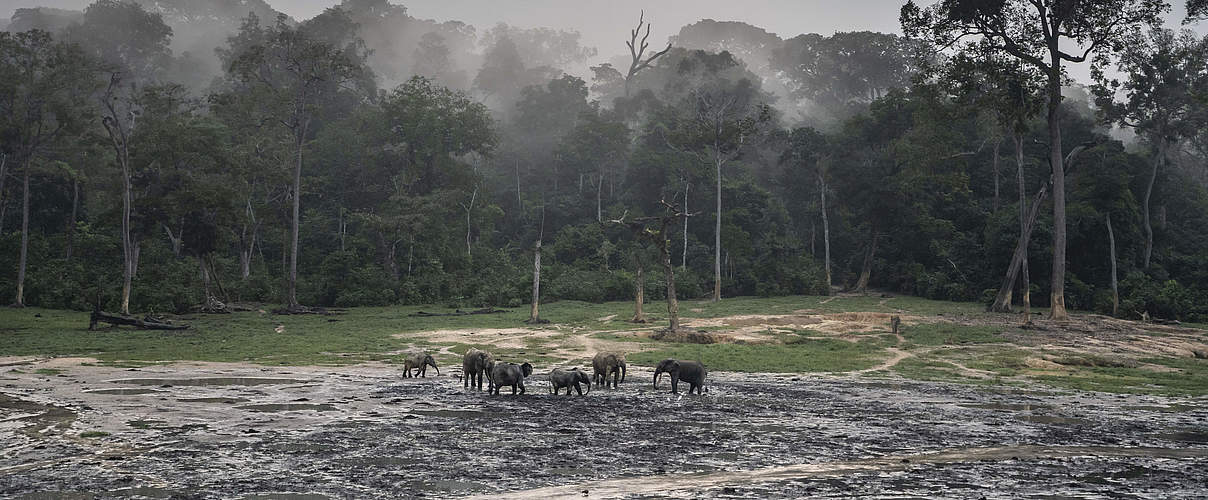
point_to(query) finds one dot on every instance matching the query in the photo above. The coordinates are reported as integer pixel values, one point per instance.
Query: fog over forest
(432, 154)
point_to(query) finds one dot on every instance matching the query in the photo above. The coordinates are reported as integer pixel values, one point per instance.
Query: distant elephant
(608, 363)
(476, 365)
(418, 361)
(561, 377)
(691, 372)
(509, 374)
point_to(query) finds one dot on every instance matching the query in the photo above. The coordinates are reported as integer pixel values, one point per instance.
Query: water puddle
(213, 400)
(145, 424)
(1185, 436)
(122, 392)
(286, 496)
(462, 414)
(1054, 420)
(208, 381)
(1006, 406)
(276, 407)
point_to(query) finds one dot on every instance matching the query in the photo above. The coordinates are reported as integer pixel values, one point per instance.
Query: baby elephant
(561, 377)
(509, 374)
(418, 361)
(691, 372)
(607, 364)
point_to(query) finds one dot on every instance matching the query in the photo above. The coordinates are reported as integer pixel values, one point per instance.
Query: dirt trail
(667, 485)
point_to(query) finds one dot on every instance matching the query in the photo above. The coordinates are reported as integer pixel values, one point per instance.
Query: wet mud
(366, 432)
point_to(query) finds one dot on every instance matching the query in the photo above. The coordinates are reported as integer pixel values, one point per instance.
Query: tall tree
(45, 86)
(1038, 33)
(1163, 71)
(289, 77)
(717, 119)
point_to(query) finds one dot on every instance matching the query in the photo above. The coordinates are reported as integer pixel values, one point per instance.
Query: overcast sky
(605, 23)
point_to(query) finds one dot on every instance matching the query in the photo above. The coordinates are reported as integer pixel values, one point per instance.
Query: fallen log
(459, 312)
(147, 323)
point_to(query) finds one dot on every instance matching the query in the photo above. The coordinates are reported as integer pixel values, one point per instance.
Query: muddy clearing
(214, 430)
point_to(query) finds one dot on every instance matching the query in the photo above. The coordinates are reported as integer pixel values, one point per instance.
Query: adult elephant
(692, 372)
(475, 365)
(509, 374)
(605, 364)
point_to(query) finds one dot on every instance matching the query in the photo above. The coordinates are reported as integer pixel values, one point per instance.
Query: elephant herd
(477, 365)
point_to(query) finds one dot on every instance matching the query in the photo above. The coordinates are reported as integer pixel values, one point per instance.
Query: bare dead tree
(637, 50)
(655, 229)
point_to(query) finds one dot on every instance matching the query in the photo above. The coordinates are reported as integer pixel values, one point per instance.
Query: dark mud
(749, 436)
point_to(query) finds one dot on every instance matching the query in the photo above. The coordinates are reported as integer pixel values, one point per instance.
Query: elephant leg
(674, 384)
(522, 388)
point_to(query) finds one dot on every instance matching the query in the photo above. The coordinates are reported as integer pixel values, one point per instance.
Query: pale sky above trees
(603, 23)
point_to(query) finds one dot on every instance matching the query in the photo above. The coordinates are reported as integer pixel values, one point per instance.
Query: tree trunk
(825, 231)
(1025, 285)
(1111, 239)
(1057, 292)
(469, 211)
(175, 239)
(639, 293)
(24, 234)
(292, 294)
(599, 191)
(866, 270)
(684, 256)
(997, 145)
(75, 208)
(3, 198)
(127, 242)
(1159, 156)
(672, 302)
(1002, 302)
(534, 312)
(717, 237)
(207, 300)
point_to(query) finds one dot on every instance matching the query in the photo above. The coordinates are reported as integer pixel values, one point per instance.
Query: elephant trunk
(656, 378)
(622, 372)
(437, 368)
(588, 388)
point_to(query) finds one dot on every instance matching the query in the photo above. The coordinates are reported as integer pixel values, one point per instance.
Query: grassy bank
(980, 348)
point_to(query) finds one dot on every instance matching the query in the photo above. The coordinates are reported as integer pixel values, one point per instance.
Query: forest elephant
(608, 363)
(418, 361)
(561, 377)
(475, 365)
(509, 374)
(692, 372)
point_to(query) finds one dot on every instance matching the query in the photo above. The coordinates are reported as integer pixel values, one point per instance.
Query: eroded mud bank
(231, 431)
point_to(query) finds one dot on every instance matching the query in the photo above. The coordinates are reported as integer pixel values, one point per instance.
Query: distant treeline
(364, 157)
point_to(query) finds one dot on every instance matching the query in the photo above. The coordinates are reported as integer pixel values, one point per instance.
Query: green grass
(805, 356)
(932, 334)
(1190, 379)
(94, 434)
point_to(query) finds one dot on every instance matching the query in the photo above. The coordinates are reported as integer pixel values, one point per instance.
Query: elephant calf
(418, 361)
(692, 372)
(607, 364)
(509, 374)
(475, 365)
(561, 377)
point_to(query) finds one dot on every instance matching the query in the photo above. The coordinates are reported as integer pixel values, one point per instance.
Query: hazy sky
(604, 24)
